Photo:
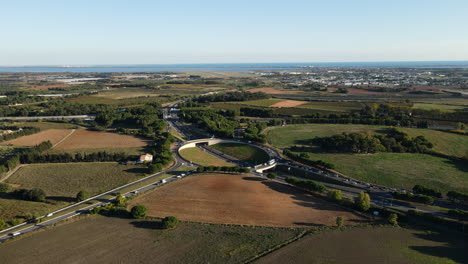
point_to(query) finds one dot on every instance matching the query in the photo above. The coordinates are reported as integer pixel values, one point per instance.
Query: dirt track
(240, 199)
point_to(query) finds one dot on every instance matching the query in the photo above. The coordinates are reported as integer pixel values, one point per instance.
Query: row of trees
(231, 96)
(393, 141)
(419, 198)
(14, 160)
(17, 132)
(36, 194)
(458, 196)
(223, 169)
(420, 189)
(305, 159)
(102, 156)
(306, 184)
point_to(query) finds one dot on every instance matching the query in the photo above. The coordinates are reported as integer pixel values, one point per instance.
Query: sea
(232, 67)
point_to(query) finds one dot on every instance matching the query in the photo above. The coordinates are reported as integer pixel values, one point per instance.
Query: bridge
(260, 168)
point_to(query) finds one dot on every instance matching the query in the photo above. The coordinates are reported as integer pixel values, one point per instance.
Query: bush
(4, 187)
(82, 195)
(37, 195)
(3, 224)
(138, 211)
(271, 175)
(393, 219)
(306, 184)
(419, 189)
(339, 221)
(335, 195)
(120, 201)
(170, 222)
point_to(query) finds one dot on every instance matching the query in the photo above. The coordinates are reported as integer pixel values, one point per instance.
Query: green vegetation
(306, 184)
(170, 222)
(263, 102)
(82, 195)
(138, 211)
(335, 195)
(373, 245)
(188, 243)
(339, 221)
(200, 157)
(393, 219)
(66, 180)
(243, 152)
(362, 202)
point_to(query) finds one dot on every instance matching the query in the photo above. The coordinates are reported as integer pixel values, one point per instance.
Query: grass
(262, 102)
(66, 180)
(446, 143)
(142, 241)
(203, 158)
(333, 106)
(373, 245)
(441, 107)
(401, 170)
(243, 152)
(46, 125)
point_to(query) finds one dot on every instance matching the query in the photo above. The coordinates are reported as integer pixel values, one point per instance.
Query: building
(145, 158)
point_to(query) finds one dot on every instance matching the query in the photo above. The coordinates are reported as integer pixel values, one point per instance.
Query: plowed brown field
(289, 103)
(241, 199)
(83, 139)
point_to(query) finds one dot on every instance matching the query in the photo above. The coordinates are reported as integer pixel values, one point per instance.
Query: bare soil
(241, 199)
(53, 135)
(289, 103)
(84, 139)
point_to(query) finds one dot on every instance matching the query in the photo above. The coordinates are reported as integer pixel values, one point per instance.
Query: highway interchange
(350, 188)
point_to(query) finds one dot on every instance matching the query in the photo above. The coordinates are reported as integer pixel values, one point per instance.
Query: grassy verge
(203, 158)
(243, 152)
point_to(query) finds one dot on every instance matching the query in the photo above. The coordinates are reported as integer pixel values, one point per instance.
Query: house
(145, 158)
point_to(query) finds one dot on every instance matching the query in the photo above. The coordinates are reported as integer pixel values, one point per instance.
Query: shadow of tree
(66, 199)
(156, 225)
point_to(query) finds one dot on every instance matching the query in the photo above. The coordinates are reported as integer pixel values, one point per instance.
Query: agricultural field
(373, 245)
(65, 140)
(262, 102)
(200, 157)
(334, 106)
(241, 199)
(62, 182)
(116, 240)
(401, 170)
(67, 179)
(441, 107)
(446, 143)
(243, 152)
(45, 125)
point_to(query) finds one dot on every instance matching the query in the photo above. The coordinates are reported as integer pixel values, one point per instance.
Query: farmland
(66, 180)
(115, 240)
(65, 140)
(446, 143)
(62, 182)
(240, 199)
(203, 158)
(373, 245)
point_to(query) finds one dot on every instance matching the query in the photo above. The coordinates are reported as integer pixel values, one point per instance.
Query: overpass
(212, 141)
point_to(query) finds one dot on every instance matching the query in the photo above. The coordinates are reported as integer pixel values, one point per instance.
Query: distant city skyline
(105, 32)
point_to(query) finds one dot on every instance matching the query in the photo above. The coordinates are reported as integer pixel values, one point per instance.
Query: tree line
(231, 96)
(17, 132)
(223, 169)
(392, 141)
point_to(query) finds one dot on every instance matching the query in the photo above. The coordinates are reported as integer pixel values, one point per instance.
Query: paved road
(90, 117)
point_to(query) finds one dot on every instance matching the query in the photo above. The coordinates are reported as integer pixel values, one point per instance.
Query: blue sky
(159, 32)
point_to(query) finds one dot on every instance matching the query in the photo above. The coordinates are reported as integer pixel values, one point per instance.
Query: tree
(339, 221)
(4, 187)
(170, 222)
(81, 196)
(120, 200)
(363, 201)
(138, 211)
(393, 219)
(3, 224)
(336, 195)
(36, 194)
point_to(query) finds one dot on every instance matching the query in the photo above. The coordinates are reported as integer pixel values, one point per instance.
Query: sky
(89, 32)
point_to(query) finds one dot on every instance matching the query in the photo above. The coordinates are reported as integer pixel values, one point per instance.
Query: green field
(334, 106)
(401, 170)
(115, 240)
(200, 157)
(373, 245)
(441, 107)
(243, 152)
(262, 102)
(67, 179)
(446, 143)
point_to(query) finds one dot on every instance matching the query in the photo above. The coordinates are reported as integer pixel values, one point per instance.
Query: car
(49, 214)
(179, 176)
(15, 234)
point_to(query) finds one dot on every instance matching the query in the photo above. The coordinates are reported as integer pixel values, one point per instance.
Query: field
(65, 140)
(240, 199)
(46, 125)
(53, 135)
(99, 239)
(401, 170)
(62, 182)
(243, 152)
(373, 245)
(441, 107)
(446, 143)
(262, 102)
(289, 103)
(67, 179)
(200, 157)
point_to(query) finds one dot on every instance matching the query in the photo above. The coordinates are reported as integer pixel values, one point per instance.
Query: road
(83, 117)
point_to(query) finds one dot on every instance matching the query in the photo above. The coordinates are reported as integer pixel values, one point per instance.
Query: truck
(163, 181)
